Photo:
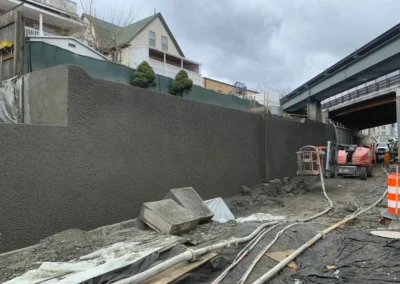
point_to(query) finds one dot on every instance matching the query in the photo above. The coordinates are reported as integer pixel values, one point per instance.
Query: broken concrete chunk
(288, 188)
(168, 217)
(263, 198)
(189, 199)
(275, 182)
(266, 187)
(273, 188)
(245, 190)
(286, 180)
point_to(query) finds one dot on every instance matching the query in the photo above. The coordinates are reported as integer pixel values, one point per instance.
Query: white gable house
(151, 40)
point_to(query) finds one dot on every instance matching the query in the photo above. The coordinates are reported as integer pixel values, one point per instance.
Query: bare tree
(285, 91)
(106, 40)
(263, 85)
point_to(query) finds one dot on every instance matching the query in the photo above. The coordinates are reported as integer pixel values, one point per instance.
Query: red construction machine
(355, 161)
(311, 159)
(350, 161)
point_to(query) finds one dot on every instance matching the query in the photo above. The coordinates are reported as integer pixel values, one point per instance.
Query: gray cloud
(286, 41)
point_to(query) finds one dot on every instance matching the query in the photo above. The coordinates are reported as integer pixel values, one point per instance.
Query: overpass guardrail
(386, 83)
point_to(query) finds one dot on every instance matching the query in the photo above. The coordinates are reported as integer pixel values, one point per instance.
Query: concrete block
(188, 198)
(167, 216)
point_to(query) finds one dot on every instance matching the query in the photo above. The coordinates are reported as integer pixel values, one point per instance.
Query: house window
(152, 38)
(164, 43)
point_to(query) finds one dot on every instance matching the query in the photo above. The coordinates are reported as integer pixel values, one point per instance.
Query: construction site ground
(300, 198)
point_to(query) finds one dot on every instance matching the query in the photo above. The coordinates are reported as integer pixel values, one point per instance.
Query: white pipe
(255, 261)
(267, 276)
(190, 255)
(321, 175)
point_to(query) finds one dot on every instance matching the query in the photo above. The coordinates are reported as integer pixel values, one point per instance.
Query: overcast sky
(285, 42)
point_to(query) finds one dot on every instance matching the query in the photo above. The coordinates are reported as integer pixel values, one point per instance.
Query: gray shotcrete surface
(124, 146)
(284, 138)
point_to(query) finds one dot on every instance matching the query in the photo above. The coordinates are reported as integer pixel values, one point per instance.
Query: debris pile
(271, 194)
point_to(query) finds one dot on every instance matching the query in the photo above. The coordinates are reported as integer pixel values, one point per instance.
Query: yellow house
(222, 87)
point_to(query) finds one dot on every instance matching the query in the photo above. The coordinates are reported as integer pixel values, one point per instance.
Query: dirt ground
(294, 198)
(304, 200)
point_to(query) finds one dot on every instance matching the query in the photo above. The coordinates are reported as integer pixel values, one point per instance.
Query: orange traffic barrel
(394, 194)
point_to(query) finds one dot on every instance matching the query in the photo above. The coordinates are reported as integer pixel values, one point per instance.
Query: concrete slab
(167, 216)
(188, 198)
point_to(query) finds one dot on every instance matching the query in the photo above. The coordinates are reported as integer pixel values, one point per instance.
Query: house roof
(106, 30)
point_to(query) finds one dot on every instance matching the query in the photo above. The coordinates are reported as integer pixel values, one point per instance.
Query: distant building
(272, 101)
(46, 17)
(382, 133)
(222, 87)
(149, 39)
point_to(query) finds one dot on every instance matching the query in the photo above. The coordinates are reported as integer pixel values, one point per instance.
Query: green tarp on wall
(39, 55)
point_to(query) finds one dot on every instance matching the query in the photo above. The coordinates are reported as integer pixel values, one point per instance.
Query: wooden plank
(8, 57)
(386, 234)
(178, 270)
(281, 255)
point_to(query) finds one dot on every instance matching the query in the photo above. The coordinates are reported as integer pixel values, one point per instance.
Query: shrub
(144, 76)
(181, 84)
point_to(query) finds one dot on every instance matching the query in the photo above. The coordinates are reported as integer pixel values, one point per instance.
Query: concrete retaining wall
(124, 146)
(45, 98)
(285, 137)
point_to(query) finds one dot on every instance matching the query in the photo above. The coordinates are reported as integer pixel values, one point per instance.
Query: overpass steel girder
(364, 106)
(378, 62)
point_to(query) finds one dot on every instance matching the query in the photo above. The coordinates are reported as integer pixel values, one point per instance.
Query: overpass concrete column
(314, 111)
(398, 116)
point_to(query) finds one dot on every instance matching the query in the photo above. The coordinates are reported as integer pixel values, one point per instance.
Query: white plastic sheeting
(259, 217)
(11, 100)
(221, 212)
(95, 264)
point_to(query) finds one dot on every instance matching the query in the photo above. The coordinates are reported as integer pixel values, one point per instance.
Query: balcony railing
(170, 71)
(63, 5)
(35, 32)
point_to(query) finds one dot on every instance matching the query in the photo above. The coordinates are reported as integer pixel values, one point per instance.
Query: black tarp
(358, 256)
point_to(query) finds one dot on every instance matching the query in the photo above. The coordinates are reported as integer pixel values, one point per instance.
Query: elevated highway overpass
(377, 58)
(371, 106)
